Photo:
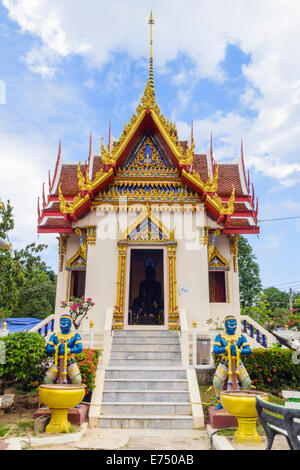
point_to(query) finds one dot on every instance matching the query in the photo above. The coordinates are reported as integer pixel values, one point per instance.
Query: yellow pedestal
(241, 404)
(246, 432)
(59, 399)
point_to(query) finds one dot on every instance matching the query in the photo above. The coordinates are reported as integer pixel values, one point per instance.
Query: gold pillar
(203, 235)
(234, 249)
(62, 249)
(121, 282)
(91, 234)
(172, 286)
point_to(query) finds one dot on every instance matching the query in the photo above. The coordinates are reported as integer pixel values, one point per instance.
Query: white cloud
(266, 30)
(25, 168)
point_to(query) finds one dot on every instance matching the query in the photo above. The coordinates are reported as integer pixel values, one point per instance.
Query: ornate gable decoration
(167, 129)
(78, 261)
(147, 227)
(215, 260)
(218, 262)
(147, 161)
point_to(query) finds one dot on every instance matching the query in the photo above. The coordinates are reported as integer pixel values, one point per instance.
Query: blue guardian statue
(64, 345)
(230, 346)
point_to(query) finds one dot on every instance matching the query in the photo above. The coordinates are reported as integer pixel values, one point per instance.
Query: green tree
(27, 285)
(249, 277)
(10, 270)
(276, 298)
(260, 311)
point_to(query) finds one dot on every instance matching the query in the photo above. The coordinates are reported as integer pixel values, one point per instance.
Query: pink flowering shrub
(78, 308)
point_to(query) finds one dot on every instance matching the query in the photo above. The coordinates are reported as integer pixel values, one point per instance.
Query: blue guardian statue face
(230, 325)
(65, 324)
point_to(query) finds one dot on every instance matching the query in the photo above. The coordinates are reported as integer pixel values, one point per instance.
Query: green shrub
(272, 369)
(87, 362)
(24, 356)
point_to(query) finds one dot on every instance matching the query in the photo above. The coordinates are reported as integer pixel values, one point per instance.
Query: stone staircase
(145, 383)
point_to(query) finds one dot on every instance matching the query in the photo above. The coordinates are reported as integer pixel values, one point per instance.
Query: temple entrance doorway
(146, 292)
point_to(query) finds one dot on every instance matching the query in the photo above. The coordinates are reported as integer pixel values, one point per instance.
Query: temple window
(217, 286)
(76, 269)
(218, 269)
(77, 288)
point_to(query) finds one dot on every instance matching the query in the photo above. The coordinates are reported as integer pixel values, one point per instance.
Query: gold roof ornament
(151, 77)
(113, 157)
(84, 182)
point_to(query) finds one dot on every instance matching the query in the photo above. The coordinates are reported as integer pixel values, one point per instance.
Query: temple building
(149, 210)
(149, 230)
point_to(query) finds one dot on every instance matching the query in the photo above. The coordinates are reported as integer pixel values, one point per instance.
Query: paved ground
(147, 439)
(139, 439)
(280, 443)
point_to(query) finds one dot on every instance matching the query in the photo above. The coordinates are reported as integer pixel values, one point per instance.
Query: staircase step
(145, 340)
(145, 355)
(146, 363)
(147, 408)
(147, 333)
(147, 422)
(142, 347)
(143, 384)
(143, 373)
(121, 396)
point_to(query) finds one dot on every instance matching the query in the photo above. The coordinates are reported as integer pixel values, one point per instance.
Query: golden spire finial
(151, 79)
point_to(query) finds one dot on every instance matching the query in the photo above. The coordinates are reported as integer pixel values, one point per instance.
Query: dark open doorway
(146, 288)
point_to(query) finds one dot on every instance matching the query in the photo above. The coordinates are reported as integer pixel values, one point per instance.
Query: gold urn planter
(59, 398)
(241, 404)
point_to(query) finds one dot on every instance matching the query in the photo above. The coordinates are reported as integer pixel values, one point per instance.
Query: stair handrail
(184, 337)
(257, 332)
(45, 326)
(107, 340)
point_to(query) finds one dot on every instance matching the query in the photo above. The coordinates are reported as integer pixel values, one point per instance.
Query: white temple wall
(191, 263)
(61, 285)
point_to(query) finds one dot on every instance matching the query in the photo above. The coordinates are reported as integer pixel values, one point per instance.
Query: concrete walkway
(138, 439)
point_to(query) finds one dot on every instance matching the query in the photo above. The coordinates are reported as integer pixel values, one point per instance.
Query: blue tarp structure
(15, 325)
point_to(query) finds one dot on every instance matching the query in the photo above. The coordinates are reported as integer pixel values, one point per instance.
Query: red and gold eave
(226, 195)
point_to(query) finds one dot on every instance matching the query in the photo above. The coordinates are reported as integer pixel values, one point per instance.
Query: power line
(282, 283)
(280, 218)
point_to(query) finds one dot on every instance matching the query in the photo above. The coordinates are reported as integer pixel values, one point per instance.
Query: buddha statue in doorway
(149, 302)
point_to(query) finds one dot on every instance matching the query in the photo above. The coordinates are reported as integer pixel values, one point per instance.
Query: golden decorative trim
(81, 253)
(210, 186)
(203, 235)
(215, 259)
(167, 129)
(234, 249)
(173, 318)
(70, 207)
(225, 209)
(159, 207)
(173, 321)
(147, 215)
(84, 184)
(227, 288)
(62, 249)
(91, 232)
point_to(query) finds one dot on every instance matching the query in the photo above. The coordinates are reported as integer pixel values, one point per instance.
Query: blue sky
(71, 66)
